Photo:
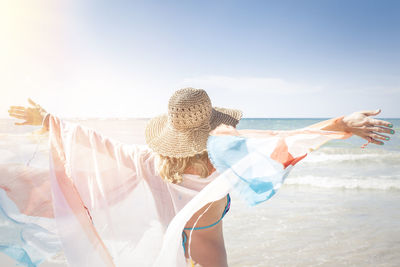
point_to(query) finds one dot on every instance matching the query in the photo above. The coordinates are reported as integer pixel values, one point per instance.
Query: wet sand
(304, 226)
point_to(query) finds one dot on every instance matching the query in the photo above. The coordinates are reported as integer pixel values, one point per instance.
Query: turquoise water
(342, 163)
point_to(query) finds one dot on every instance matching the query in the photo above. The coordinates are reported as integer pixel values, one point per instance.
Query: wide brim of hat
(165, 140)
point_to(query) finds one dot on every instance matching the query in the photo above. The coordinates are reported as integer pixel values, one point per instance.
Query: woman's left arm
(361, 124)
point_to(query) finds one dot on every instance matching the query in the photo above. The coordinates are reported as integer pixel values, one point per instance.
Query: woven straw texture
(184, 131)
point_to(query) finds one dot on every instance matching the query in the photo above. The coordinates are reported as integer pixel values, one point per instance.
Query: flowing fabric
(102, 203)
(257, 162)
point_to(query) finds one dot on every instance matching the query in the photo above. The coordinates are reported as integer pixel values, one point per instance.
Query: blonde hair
(172, 169)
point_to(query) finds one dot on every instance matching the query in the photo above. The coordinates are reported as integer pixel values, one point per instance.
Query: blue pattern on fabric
(234, 149)
(13, 245)
(12, 233)
(19, 254)
(225, 153)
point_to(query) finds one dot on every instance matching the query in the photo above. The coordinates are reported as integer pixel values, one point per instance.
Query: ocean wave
(375, 156)
(381, 183)
(355, 149)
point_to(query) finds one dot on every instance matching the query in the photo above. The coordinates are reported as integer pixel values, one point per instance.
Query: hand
(359, 123)
(32, 115)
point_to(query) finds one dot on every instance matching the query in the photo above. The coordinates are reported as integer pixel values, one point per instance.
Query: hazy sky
(268, 58)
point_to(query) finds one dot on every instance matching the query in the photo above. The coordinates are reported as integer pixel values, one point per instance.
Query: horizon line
(148, 118)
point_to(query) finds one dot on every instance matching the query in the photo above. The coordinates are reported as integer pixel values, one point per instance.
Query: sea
(340, 206)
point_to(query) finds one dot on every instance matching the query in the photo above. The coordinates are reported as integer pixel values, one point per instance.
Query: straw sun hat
(184, 130)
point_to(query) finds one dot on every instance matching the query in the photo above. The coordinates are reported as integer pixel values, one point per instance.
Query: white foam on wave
(328, 157)
(381, 183)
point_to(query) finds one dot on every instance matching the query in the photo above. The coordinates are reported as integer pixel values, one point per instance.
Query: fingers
(32, 102)
(371, 140)
(21, 123)
(17, 107)
(378, 129)
(23, 117)
(373, 130)
(17, 112)
(30, 115)
(372, 121)
(371, 112)
(376, 136)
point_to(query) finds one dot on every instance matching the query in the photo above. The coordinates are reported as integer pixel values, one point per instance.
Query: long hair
(172, 169)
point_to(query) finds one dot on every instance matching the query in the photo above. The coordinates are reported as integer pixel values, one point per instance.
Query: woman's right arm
(129, 155)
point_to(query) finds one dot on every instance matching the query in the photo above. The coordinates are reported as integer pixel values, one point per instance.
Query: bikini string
(184, 236)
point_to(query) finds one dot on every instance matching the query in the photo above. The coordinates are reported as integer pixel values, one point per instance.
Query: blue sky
(268, 58)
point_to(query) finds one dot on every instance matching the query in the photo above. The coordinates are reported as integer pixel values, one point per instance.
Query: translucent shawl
(102, 203)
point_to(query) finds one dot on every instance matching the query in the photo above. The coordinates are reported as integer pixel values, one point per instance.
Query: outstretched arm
(359, 123)
(36, 115)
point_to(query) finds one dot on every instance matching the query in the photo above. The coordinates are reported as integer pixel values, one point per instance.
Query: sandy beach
(304, 226)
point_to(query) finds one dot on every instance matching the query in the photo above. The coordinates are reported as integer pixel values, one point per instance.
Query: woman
(179, 178)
